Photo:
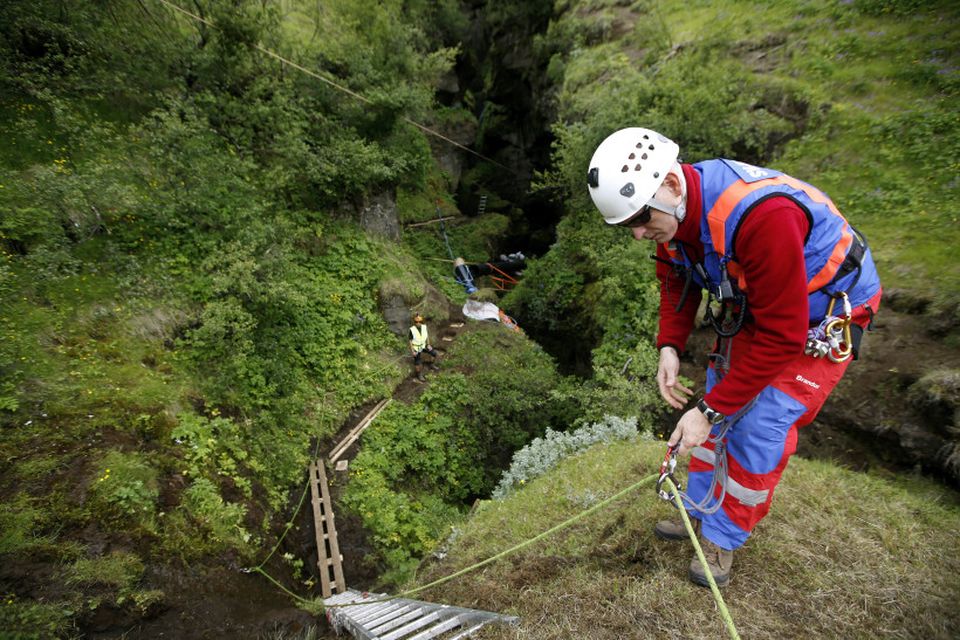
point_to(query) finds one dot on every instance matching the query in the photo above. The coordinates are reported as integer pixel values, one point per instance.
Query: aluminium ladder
(386, 618)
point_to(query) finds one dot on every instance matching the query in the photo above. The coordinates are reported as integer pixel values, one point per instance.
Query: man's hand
(673, 392)
(692, 430)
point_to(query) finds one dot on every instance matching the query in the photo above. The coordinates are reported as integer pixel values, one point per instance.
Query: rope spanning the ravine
(340, 87)
(721, 606)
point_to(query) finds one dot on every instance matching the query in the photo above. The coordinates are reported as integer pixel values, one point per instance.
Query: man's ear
(672, 183)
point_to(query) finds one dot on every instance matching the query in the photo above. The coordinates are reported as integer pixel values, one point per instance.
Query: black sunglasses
(639, 219)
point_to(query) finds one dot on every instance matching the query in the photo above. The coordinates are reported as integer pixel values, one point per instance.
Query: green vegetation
(420, 464)
(193, 299)
(188, 298)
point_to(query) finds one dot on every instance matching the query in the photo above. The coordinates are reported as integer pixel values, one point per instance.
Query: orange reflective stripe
(833, 263)
(814, 194)
(723, 207)
(732, 195)
(736, 271)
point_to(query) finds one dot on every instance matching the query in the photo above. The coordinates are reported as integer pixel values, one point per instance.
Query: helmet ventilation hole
(624, 169)
(637, 168)
(632, 156)
(643, 157)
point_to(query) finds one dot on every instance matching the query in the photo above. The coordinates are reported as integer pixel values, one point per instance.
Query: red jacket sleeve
(769, 248)
(675, 326)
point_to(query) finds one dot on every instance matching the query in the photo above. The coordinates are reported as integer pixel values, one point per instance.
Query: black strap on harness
(731, 300)
(729, 296)
(682, 272)
(853, 262)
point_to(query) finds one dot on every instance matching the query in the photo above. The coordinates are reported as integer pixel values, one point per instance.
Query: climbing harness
(720, 469)
(731, 300)
(832, 338)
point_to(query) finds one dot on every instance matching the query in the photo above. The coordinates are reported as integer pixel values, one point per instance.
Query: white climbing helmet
(627, 169)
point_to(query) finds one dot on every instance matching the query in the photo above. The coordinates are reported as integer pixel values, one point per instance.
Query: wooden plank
(354, 434)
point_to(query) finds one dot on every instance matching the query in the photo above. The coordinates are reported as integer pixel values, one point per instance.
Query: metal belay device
(386, 618)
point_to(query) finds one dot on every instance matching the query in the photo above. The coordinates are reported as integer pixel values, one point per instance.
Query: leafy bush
(213, 447)
(542, 454)
(126, 488)
(28, 620)
(221, 521)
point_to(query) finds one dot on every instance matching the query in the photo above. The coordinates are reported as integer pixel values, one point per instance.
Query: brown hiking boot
(719, 560)
(675, 529)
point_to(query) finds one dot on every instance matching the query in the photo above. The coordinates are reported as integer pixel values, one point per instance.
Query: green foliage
(29, 620)
(19, 524)
(214, 447)
(420, 463)
(119, 569)
(222, 522)
(119, 574)
(126, 488)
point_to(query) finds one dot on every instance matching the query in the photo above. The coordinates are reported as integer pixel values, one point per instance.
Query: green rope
(526, 543)
(280, 586)
(727, 620)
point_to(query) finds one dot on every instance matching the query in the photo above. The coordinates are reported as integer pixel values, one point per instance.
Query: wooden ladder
(399, 618)
(329, 560)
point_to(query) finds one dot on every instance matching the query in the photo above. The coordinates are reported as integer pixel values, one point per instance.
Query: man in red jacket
(791, 285)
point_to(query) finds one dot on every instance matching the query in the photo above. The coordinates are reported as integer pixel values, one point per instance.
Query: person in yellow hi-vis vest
(420, 344)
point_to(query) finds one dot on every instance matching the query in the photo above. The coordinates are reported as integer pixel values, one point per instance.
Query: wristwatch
(712, 416)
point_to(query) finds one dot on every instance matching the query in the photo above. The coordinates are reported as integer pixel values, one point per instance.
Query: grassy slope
(888, 84)
(842, 555)
(882, 133)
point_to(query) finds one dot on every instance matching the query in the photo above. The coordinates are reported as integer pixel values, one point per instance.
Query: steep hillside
(216, 219)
